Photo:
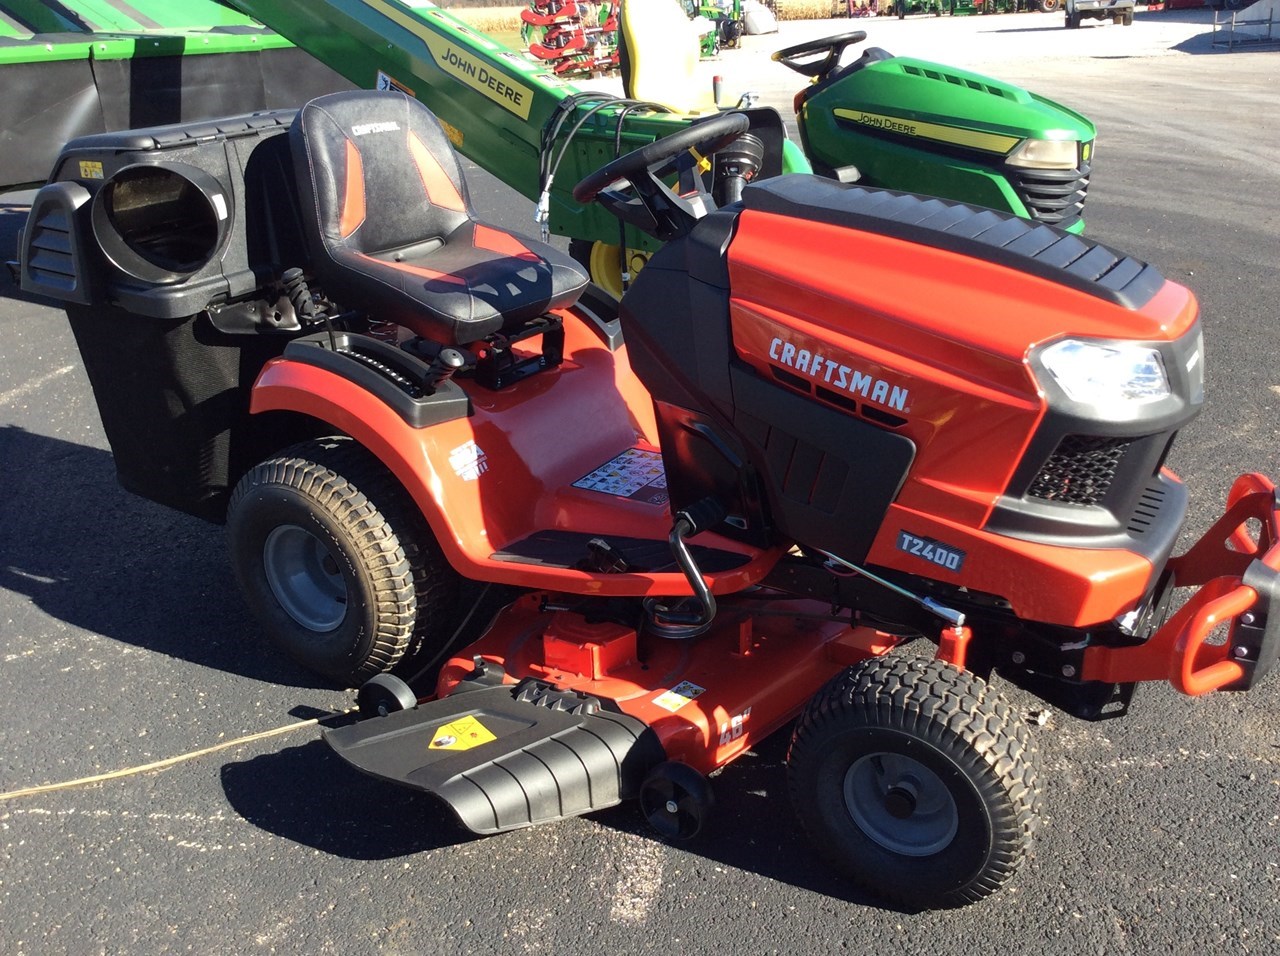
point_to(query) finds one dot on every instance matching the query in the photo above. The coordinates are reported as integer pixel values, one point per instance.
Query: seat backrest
(660, 56)
(366, 150)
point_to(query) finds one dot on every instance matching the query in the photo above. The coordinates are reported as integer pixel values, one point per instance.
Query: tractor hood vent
(955, 80)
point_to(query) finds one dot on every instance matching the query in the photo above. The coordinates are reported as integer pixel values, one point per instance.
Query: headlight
(1098, 374)
(1045, 154)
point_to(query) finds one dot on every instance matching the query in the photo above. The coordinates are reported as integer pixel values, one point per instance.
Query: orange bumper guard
(1236, 567)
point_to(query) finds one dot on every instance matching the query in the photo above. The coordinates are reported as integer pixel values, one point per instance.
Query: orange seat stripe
(497, 240)
(440, 188)
(353, 209)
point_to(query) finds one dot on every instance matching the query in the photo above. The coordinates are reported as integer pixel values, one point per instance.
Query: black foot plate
(508, 756)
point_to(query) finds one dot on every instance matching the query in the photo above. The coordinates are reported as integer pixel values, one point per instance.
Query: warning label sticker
(387, 83)
(636, 474)
(678, 696)
(461, 734)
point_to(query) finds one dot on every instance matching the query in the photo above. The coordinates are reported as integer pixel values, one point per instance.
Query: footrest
(508, 756)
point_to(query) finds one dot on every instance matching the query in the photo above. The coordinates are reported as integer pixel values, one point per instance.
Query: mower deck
(599, 707)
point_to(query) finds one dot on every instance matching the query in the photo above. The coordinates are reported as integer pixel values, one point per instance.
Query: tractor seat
(394, 232)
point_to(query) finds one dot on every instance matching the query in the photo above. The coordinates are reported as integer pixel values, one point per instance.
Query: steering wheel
(655, 208)
(793, 56)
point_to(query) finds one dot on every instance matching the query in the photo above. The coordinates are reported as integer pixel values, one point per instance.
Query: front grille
(1080, 470)
(1054, 196)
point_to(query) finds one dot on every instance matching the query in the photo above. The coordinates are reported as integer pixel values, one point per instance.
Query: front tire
(336, 563)
(916, 781)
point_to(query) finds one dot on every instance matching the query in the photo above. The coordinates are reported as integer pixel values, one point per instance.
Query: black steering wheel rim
(706, 137)
(833, 46)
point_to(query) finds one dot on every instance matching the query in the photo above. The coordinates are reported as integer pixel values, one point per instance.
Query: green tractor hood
(921, 126)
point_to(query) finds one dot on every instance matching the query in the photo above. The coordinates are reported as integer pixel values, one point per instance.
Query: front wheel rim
(605, 266)
(901, 804)
(305, 578)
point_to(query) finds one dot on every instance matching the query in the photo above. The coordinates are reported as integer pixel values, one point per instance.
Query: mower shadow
(88, 553)
(753, 829)
(307, 795)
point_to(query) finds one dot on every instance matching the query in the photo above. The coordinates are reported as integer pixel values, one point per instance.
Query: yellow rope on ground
(161, 764)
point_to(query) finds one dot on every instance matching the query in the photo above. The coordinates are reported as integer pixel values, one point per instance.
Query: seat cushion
(477, 281)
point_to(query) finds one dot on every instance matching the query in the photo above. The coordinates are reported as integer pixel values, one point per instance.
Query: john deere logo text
(838, 376)
(958, 136)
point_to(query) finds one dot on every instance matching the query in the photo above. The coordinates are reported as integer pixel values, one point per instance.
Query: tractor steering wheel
(655, 208)
(797, 57)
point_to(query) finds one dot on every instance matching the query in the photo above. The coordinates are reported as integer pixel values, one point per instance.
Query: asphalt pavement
(123, 641)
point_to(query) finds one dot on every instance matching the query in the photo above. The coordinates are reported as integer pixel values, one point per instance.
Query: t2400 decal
(935, 552)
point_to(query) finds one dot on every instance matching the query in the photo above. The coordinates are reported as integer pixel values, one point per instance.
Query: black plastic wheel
(676, 800)
(384, 694)
(336, 563)
(916, 781)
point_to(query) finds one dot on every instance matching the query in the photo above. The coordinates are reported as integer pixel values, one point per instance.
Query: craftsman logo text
(831, 372)
(363, 129)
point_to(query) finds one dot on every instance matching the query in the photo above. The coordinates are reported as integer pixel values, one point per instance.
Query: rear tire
(916, 781)
(336, 563)
(1073, 21)
(1049, 6)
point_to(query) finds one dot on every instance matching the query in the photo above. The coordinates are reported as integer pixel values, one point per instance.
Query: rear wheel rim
(900, 804)
(305, 578)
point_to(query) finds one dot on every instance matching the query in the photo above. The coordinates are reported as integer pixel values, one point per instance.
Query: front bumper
(1235, 567)
(1100, 7)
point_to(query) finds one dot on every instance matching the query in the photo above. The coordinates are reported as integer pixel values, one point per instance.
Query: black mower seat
(392, 229)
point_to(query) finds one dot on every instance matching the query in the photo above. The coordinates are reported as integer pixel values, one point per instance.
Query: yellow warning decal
(683, 693)
(975, 139)
(461, 734)
(90, 169)
(463, 65)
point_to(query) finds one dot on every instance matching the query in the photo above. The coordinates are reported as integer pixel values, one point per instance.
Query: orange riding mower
(838, 457)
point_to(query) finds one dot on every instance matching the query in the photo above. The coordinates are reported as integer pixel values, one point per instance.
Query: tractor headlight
(1100, 375)
(1045, 154)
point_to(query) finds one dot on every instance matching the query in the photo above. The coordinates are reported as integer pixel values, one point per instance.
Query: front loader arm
(495, 103)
